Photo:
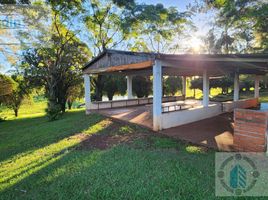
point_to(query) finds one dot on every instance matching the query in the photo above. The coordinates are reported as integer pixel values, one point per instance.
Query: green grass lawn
(60, 160)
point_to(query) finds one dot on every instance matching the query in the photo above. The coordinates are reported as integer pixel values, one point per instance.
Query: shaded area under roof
(140, 63)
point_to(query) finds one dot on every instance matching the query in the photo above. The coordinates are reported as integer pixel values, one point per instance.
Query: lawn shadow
(121, 171)
(26, 135)
(144, 167)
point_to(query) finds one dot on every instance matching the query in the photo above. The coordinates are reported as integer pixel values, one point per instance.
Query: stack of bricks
(250, 129)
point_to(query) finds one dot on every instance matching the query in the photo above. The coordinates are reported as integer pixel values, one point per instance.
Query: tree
(224, 83)
(57, 66)
(247, 21)
(197, 84)
(131, 25)
(209, 42)
(114, 84)
(14, 99)
(74, 93)
(142, 86)
(107, 27)
(171, 85)
(246, 82)
(7, 85)
(159, 26)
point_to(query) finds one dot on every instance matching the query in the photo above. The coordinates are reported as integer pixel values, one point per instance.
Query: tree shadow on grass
(118, 173)
(23, 136)
(147, 168)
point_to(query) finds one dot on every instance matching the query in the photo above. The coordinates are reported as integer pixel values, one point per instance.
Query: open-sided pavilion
(129, 64)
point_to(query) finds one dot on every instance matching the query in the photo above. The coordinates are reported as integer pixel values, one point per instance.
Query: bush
(142, 86)
(54, 112)
(20, 90)
(224, 83)
(114, 84)
(171, 85)
(2, 119)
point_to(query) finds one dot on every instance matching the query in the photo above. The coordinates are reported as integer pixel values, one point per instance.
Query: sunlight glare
(195, 44)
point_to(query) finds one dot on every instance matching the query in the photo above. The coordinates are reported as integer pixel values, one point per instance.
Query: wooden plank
(141, 65)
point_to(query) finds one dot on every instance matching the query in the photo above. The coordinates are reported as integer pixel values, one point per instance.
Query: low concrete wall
(229, 106)
(130, 102)
(178, 118)
(250, 130)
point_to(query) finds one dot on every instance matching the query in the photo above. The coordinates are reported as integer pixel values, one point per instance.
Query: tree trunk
(16, 112)
(69, 103)
(110, 96)
(63, 106)
(99, 88)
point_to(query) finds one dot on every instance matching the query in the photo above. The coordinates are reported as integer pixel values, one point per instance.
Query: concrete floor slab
(215, 132)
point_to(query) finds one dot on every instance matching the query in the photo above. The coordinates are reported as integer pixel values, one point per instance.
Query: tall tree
(7, 85)
(245, 20)
(114, 84)
(57, 66)
(20, 91)
(128, 24)
(171, 85)
(142, 86)
(159, 27)
(108, 27)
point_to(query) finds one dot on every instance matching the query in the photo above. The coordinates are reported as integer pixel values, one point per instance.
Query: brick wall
(250, 127)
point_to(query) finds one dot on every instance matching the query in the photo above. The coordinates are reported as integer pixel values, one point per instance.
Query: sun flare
(195, 44)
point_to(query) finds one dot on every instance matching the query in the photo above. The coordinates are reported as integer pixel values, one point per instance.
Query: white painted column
(87, 92)
(129, 87)
(184, 86)
(157, 95)
(205, 88)
(236, 87)
(257, 87)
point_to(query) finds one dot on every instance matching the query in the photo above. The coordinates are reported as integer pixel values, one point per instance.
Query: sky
(201, 21)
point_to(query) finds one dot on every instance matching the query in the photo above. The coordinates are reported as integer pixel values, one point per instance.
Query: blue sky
(181, 4)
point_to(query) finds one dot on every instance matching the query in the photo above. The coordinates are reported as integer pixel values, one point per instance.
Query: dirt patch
(119, 132)
(105, 141)
(114, 134)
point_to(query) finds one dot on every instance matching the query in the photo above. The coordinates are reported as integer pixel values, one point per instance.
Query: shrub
(54, 111)
(142, 86)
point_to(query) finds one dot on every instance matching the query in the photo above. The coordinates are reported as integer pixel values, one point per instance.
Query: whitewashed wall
(130, 102)
(182, 117)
